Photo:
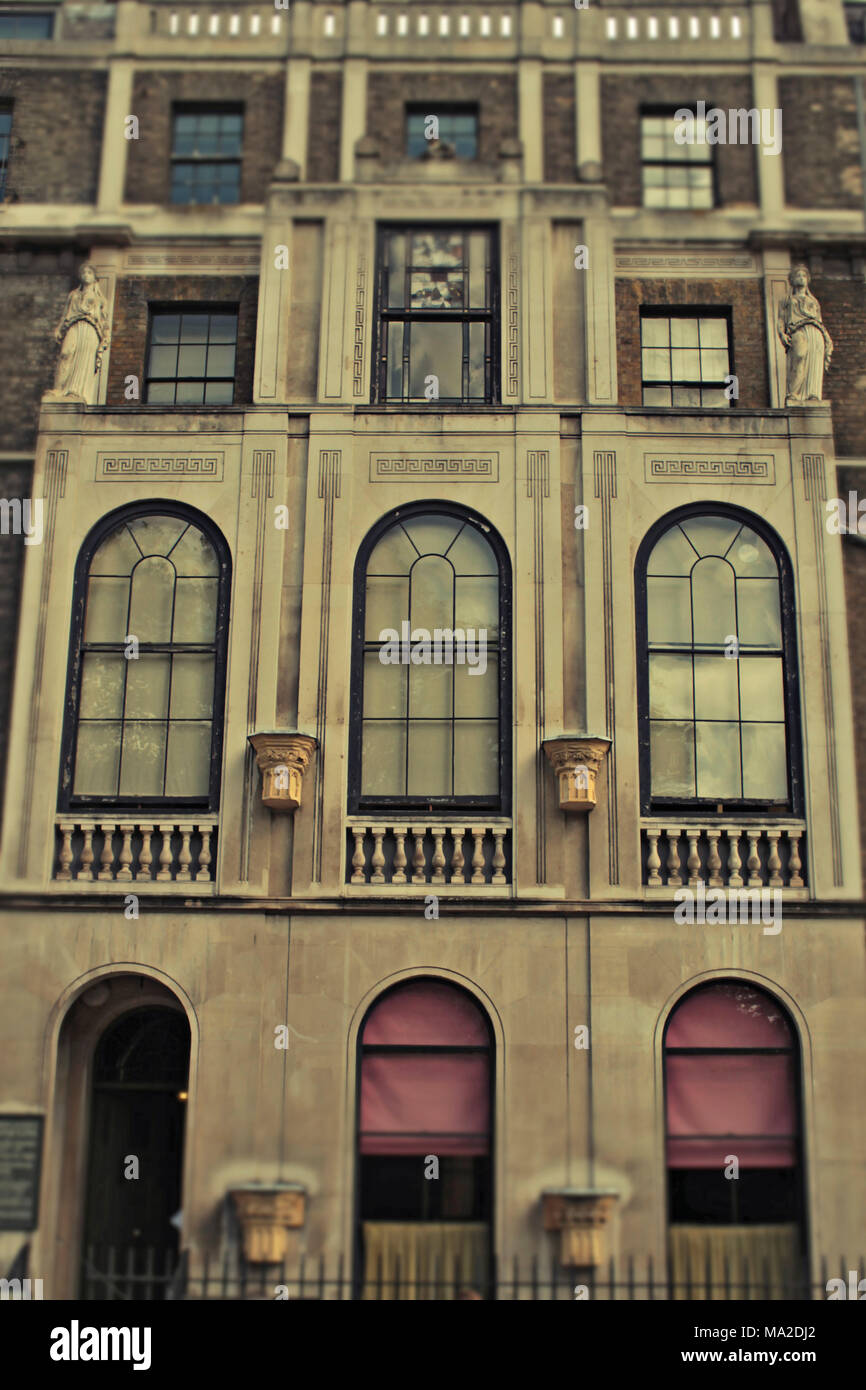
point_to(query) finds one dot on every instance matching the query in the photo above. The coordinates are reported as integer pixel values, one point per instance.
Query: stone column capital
(576, 760)
(283, 758)
(580, 1215)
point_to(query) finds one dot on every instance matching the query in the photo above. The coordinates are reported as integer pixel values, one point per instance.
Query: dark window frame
(67, 801)
(191, 308)
(654, 805)
(689, 311)
(795, 1050)
(207, 108)
(372, 1049)
(499, 805)
(667, 110)
(440, 109)
(384, 315)
(15, 13)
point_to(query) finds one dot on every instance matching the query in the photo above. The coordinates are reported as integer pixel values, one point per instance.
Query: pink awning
(728, 1014)
(424, 1013)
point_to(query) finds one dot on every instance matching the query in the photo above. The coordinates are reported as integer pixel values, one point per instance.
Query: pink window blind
(417, 1103)
(734, 1102)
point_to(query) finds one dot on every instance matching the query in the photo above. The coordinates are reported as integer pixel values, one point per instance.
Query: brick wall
(388, 93)
(746, 300)
(14, 482)
(56, 134)
(323, 137)
(148, 169)
(843, 309)
(129, 330)
(621, 102)
(560, 146)
(854, 564)
(33, 289)
(820, 148)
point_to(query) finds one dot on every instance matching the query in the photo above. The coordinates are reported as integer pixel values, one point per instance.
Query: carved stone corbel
(283, 758)
(580, 1215)
(576, 762)
(266, 1213)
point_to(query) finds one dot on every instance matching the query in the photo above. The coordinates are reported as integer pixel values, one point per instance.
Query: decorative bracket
(283, 758)
(266, 1212)
(580, 1216)
(576, 762)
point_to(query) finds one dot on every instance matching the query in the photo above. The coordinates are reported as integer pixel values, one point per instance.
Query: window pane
(711, 535)
(672, 554)
(685, 364)
(765, 772)
(102, 686)
(476, 690)
(188, 768)
(219, 393)
(656, 364)
(195, 610)
(670, 686)
(477, 349)
(96, 759)
(384, 688)
(760, 620)
(393, 554)
(749, 556)
(430, 691)
(655, 332)
(477, 605)
(193, 554)
(716, 688)
(656, 395)
(165, 328)
(436, 289)
(714, 364)
(714, 333)
(396, 269)
(220, 360)
(477, 263)
(684, 333)
(387, 605)
(432, 534)
(189, 393)
(471, 554)
(713, 610)
(718, 753)
(163, 362)
(141, 768)
(152, 600)
(107, 603)
(429, 758)
(437, 248)
(157, 535)
(761, 692)
(432, 593)
(384, 759)
(147, 686)
(672, 758)
(669, 611)
(191, 361)
(223, 328)
(687, 397)
(194, 328)
(395, 361)
(192, 685)
(160, 393)
(476, 758)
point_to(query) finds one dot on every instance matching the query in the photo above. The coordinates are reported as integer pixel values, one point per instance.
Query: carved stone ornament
(576, 762)
(580, 1215)
(83, 336)
(805, 339)
(283, 758)
(266, 1213)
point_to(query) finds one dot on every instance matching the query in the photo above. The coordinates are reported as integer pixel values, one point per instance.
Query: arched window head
(145, 1046)
(431, 665)
(147, 667)
(717, 666)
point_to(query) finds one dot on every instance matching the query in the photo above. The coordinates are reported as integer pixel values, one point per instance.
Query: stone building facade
(281, 924)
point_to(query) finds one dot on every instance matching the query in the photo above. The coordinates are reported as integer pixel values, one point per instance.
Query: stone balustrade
(440, 854)
(723, 854)
(93, 851)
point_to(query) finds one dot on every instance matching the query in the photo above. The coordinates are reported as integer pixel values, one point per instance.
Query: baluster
(674, 876)
(438, 875)
(399, 874)
(457, 860)
(165, 853)
(714, 863)
(65, 855)
(794, 866)
(358, 858)
(378, 859)
(86, 872)
(694, 861)
(774, 863)
(124, 873)
(498, 857)
(204, 858)
(184, 858)
(735, 878)
(106, 858)
(653, 862)
(753, 863)
(145, 858)
(419, 868)
(478, 855)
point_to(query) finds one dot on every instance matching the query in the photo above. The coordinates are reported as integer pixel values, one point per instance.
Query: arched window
(732, 1104)
(147, 662)
(424, 1143)
(431, 700)
(717, 665)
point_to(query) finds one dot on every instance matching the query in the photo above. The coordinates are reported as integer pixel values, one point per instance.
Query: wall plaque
(20, 1163)
(478, 468)
(724, 468)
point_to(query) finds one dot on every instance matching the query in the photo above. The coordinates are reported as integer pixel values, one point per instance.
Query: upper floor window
(855, 18)
(147, 664)
(206, 154)
(437, 304)
(191, 357)
(454, 126)
(5, 142)
(17, 24)
(675, 175)
(717, 665)
(431, 664)
(685, 358)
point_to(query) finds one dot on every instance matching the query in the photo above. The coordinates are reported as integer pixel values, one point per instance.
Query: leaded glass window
(675, 175)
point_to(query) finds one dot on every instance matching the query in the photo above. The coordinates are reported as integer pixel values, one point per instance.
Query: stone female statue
(83, 335)
(807, 342)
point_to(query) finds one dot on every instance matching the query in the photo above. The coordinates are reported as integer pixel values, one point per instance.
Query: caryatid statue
(807, 342)
(83, 335)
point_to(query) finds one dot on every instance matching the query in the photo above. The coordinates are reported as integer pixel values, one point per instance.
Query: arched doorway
(425, 1125)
